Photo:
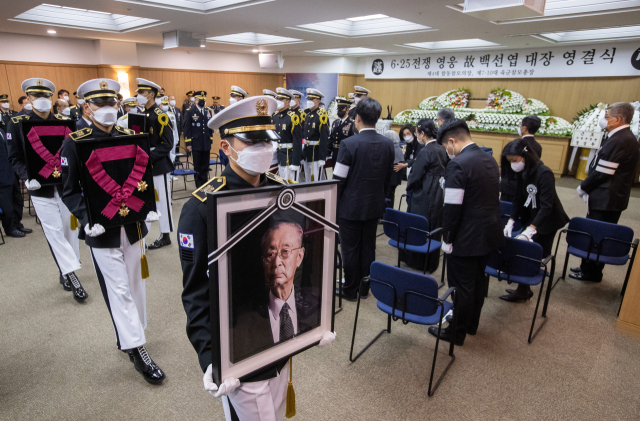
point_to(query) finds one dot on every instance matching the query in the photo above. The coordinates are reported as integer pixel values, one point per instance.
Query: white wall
(17, 47)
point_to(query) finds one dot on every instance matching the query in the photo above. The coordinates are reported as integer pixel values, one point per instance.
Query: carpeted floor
(58, 358)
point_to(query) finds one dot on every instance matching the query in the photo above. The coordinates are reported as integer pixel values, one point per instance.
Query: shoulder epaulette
(124, 130)
(158, 111)
(17, 119)
(72, 106)
(276, 178)
(61, 117)
(79, 134)
(213, 185)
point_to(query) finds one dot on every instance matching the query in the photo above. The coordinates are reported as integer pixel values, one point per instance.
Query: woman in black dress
(536, 203)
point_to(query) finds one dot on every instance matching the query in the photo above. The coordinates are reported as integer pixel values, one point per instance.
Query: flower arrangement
(555, 126)
(533, 106)
(587, 119)
(456, 99)
(428, 104)
(504, 101)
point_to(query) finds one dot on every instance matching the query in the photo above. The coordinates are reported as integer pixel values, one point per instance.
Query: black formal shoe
(145, 365)
(66, 283)
(445, 335)
(25, 230)
(16, 233)
(79, 294)
(516, 297)
(163, 240)
(576, 269)
(580, 276)
(345, 296)
(472, 332)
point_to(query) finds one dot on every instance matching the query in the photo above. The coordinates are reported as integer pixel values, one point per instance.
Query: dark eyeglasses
(284, 254)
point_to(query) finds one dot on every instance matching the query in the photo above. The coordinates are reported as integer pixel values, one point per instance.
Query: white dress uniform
(174, 123)
(316, 135)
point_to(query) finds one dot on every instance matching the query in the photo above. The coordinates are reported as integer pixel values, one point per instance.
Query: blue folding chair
(223, 157)
(410, 232)
(1, 236)
(413, 298)
(216, 162)
(522, 262)
(183, 172)
(600, 242)
(505, 210)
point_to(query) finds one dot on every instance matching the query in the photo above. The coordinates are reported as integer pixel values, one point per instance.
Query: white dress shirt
(275, 306)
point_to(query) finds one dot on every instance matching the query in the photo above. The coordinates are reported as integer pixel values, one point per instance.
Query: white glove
(294, 167)
(152, 216)
(227, 387)
(321, 163)
(95, 231)
(447, 248)
(527, 235)
(585, 198)
(508, 228)
(327, 338)
(32, 184)
(581, 192)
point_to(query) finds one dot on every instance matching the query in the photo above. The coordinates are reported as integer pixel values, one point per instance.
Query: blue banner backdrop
(327, 83)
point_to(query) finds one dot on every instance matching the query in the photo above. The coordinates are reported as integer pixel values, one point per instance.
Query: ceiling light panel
(368, 17)
(354, 51)
(362, 27)
(252, 38)
(459, 44)
(570, 7)
(69, 17)
(605, 34)
(198, 6)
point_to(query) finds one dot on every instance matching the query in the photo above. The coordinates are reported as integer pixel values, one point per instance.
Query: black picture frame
(96, 198)
(137, 122)
(52, 143)
(222, 206)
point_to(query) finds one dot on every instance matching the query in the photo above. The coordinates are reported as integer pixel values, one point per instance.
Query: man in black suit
(608, 185)
(527, 130)
(10, 217)
(364, 167)
(472, 223)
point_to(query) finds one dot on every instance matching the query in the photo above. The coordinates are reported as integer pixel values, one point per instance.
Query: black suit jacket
(368, 157)
(611, 172)
(472, 220)
(531, 140)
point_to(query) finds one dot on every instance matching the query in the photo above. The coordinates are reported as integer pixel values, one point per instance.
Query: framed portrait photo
(116, 179)
(42, 141)
(271, 273)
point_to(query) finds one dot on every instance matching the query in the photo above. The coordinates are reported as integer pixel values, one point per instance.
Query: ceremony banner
(584, 60)
(327, 83)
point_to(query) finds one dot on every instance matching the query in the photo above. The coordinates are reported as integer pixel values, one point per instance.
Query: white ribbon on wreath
(532, 190)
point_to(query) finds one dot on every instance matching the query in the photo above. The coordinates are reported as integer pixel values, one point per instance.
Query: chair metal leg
(626, 279)
(1, 236)
(431, 390)
(353, 338)
(444, 267)
(564, 270)
(532, 336)
(399, 254)
(549, 287)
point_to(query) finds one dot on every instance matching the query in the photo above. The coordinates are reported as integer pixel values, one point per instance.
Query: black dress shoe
(516, 297)
(163, 240)
(580, 276)
(576, 269)
(16, 233)
(145, 365)
(25, 230)
(66, 283)
(445, 335)
(79, 294)
(345, 296)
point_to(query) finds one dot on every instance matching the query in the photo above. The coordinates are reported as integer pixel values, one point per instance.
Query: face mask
(310, 104)
(66, 98)
(142, 100)
(172, 102)
(80, 101)
(165, 108)
(517, 166)
(192, 99)
(158, 102)
(279, 104)
(296, 102)
(106, 116)
(409, 139)
(453, 154)
(255, 159)
(602, 123)
(66, 111)
(201, 103)
(28, 107)
(42, 104)
(342, 112)
(5, 105)
(232, 100)
(356, 100)
(519, 131)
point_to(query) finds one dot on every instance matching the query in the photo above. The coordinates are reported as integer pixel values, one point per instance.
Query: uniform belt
(285, 145)
(336, 145)
(313, 142)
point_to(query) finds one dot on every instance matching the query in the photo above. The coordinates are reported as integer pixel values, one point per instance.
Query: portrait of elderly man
(280, 310)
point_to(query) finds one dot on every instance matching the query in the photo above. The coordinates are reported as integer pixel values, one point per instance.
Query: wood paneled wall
(564, 96)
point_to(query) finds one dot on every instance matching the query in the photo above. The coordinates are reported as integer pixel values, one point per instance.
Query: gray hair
(391, 134)
(267, 235)
(446, 114)
(624, 110)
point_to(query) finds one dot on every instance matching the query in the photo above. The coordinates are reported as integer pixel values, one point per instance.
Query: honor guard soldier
(316, 135)
(5, 111)
(340, 129)
(267, 92)
(360, 93)
(117, 251)
(295, 104)
(130, 105)
(57, 221)
(83, 121)
(289, 128)
(198, 136)
(161, 143)
(76, 110)
(237, 94)
(216, 107)
(188, 102)
(164, 105)
(247, 132)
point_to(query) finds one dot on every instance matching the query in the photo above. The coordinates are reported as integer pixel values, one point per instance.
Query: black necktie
(286, 325)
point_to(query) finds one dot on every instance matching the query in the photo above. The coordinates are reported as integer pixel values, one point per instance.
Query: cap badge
(104, 85)
(261, 107)
(39, 82)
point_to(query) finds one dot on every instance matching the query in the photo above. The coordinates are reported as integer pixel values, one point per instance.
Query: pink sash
(121, 195)
(52, 162)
